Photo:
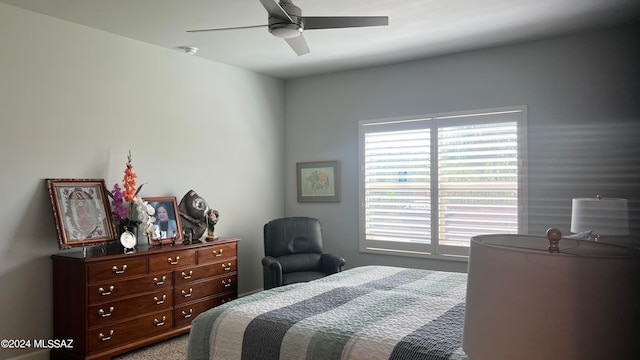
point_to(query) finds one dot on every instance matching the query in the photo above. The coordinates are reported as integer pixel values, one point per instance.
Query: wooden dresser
(110, 303)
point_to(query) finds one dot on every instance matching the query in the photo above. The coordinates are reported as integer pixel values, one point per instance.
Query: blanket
(369, 312)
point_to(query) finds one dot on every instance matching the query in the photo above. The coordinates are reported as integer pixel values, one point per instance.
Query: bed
(369, 312)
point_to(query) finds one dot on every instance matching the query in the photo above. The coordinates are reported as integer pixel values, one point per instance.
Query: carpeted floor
(172, 349)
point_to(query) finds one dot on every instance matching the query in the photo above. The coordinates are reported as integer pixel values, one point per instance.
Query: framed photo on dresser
(81, 211)
(168, 226)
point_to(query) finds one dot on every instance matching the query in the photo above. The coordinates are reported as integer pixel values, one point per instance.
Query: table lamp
(601, 216)
(534, 298)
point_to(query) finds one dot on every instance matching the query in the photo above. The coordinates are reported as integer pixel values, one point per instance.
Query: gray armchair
(293, 252)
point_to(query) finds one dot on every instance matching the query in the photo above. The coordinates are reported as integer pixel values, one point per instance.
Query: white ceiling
(417, 28)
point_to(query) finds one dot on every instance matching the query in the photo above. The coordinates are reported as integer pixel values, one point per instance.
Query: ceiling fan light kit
(285, 31)
(286, 22)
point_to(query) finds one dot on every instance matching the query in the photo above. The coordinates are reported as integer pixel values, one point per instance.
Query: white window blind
(428, 185)
(477, 181)
(397, 183)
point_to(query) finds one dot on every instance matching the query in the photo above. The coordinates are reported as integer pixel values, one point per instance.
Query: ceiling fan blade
(274, 9)
(229, 28)
(333, 22)
(298, 44)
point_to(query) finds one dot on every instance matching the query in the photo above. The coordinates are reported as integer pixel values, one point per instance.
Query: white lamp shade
(605, 216)
(525, 303)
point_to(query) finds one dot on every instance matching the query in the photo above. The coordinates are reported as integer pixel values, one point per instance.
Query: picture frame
(81, 211)
(318, 181)
(167, 219)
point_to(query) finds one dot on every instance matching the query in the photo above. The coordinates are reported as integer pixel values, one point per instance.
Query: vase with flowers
(128, 210)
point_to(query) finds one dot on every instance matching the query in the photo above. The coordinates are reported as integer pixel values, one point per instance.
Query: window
(428, 184)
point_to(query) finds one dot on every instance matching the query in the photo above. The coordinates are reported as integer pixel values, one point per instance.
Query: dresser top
(115, 250)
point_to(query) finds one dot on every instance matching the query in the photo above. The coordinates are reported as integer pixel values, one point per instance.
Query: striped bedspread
(368, 313)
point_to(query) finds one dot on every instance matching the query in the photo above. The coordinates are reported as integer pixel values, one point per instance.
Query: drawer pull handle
(226, 267)
(159, 322)
(105, 314)
(172, 262)
(158, 301)
(105, 338)
(117, 271)
(216, 253)
(159, 282)
(185, 315)
(185, 276)
(187, 294)
(226, 284)
(104, 292)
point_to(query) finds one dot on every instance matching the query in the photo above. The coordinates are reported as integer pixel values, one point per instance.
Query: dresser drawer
(184, 314)
(117, 269)
(204, 271)
(197, 290)
(110, 291)
(172, 260)
(100, 315)
(217, 253)
(119, 333)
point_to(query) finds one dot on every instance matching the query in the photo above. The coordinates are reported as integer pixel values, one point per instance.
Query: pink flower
(119, 212)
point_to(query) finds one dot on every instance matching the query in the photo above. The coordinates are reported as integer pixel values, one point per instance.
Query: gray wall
(583, 124)
(74, 101)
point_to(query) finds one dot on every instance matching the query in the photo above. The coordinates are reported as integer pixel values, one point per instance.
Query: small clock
(129, 241)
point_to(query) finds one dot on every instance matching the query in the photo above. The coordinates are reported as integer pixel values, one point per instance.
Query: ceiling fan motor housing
(283, 28)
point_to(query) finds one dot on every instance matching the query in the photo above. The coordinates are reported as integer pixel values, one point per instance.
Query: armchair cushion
(295, 235)
(299, 262)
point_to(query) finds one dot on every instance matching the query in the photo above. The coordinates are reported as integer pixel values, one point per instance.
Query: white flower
(149, 227)
(143, 213)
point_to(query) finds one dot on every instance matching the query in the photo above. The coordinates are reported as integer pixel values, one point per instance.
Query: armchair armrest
(331, 264)
(272, 272)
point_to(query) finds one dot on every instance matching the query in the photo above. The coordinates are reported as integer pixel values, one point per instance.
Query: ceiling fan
(286, 21)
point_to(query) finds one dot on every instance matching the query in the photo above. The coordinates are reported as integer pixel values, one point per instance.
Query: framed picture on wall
(81, 211)
(168, 226)
(318, 181)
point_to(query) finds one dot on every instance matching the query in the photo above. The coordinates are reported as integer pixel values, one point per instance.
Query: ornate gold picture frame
(81, 210)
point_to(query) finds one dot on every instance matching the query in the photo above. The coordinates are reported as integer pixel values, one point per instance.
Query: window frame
(441, 120)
